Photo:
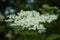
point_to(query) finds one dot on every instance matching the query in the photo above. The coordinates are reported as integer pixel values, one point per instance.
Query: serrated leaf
(53, 36)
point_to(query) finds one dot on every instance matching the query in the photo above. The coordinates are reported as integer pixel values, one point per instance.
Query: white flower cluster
(31, 20)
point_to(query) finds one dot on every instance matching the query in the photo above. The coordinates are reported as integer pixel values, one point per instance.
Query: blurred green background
(51, 6)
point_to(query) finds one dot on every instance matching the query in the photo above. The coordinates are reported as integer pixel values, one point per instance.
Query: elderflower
(31, 20)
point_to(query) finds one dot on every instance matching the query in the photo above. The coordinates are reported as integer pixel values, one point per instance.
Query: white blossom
(26, 19)
(9, 20)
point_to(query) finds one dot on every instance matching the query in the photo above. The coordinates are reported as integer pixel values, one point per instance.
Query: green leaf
(2, 28)
(53, 36)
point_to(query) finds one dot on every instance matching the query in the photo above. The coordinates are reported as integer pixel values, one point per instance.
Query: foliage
(1, 17)
(53, 37)
(47, 9)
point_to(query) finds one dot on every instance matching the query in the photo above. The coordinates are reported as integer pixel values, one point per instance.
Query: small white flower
(10, 20)
(41, 31)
